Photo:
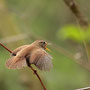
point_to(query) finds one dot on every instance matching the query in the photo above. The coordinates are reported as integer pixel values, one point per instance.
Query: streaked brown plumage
(36, 54)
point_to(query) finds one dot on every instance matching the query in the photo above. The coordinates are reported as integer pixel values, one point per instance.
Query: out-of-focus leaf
(74, 33)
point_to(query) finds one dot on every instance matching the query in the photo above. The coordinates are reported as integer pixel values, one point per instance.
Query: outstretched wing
(41, 59)
(14, 52)
(16, 63)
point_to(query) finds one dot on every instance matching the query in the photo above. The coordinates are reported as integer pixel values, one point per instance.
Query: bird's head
(42, 44)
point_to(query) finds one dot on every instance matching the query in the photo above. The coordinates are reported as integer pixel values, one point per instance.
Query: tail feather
(11, 64)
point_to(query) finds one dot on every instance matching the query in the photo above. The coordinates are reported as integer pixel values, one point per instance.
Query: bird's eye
(42, 42)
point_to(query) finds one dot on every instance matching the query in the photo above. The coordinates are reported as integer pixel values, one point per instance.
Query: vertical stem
(81, 20)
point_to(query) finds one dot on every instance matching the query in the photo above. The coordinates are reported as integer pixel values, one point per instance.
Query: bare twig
(6, 48)
(38, 77)
(86, 88)
(76, 11)
(35, 72)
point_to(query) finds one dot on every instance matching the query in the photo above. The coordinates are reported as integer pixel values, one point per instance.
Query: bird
(34, 53)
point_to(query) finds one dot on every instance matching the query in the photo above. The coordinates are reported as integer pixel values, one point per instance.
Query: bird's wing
(14, 52)
(16, 63)
(41, 59)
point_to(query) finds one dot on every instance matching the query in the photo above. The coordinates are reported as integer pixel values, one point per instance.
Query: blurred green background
(23, 21)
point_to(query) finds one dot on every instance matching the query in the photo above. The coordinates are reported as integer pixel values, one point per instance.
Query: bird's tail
(15, 63)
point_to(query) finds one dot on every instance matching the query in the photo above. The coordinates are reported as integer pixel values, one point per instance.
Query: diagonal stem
(6, 48)
(35, 72)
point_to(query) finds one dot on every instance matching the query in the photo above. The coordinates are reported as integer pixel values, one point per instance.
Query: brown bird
(31, 54)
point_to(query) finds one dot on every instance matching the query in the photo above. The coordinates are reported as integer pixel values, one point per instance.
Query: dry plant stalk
(83, 23)
(76, 11)
(81, 20)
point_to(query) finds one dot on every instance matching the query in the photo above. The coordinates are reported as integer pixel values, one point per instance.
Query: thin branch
(76, 11)
(86, 88)
(35, 72)
(6, 48)
(81, 20)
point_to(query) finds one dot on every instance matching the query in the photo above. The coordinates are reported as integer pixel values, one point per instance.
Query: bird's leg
(27, 61)
(29, 64)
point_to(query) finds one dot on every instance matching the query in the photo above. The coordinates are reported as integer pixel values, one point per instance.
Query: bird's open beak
(48, 49)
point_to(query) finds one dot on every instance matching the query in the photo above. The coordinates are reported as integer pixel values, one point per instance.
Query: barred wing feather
(41, 59)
